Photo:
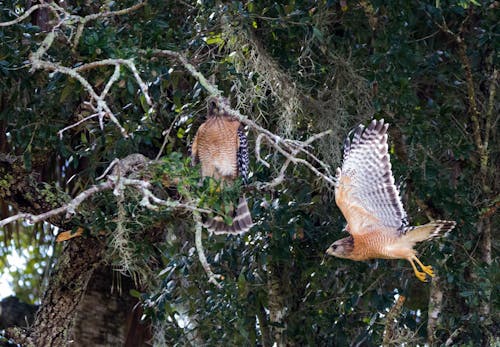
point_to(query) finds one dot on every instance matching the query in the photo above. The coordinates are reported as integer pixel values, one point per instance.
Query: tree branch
(116, 182)
(27, 14)
(69, 207)
(67, 19)
(390, 332)
(434, 310)
(212, 277)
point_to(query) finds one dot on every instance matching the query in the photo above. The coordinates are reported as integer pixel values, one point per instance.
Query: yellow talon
(427, 269)
(421, 275)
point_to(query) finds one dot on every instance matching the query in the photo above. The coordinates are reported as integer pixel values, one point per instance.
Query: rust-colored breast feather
(217, 146)
(375, 244)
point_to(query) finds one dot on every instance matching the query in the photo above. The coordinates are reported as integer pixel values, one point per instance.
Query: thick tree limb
(66, 288)
(116, 183)
(69, 207)
(435, 308)
(391, 331)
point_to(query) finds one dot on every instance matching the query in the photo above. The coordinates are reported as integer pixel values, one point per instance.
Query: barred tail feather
(423, 232)
(242, 221)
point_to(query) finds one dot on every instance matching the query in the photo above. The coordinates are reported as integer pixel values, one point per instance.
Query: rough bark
(65, 291)
(484, 230)
(108, 315)
(276, 302)
(434, 311)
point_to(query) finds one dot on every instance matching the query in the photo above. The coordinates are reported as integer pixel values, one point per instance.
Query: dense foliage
(430, 69)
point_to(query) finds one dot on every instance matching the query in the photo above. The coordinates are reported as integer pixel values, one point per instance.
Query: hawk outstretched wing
(365, 191)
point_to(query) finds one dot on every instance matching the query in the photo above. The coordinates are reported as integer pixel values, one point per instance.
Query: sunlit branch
(69, 207)
(81, 121)
(291, 158)
(129, 63)
(390, 331)
(117, 183)
(102, 106)
(212, 277)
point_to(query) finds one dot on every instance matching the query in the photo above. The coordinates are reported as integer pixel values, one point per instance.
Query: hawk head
(215, 106)
(341, 248)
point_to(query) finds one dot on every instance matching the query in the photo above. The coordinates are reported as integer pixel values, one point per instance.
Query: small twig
(300, 147)
(212, 278)
(113, 13)
(165, 138)
(211, 89)
(292, 159)
(453, 336)
(83, 120)
(82, 21)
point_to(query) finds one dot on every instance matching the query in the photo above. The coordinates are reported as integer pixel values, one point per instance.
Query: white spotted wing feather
(365, 190)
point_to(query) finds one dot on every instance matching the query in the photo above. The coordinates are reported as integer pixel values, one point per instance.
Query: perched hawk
(220, 145)
(370, 202)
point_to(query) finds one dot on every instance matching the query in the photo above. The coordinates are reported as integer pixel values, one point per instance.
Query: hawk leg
(421, 275)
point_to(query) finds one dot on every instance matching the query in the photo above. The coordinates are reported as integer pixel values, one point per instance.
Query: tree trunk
(264, 327)
(68, 282)
(108, 316)
(276, 304)
(434, 311)
(484, 230)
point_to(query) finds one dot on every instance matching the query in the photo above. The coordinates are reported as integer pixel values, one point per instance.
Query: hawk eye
(334, 247)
